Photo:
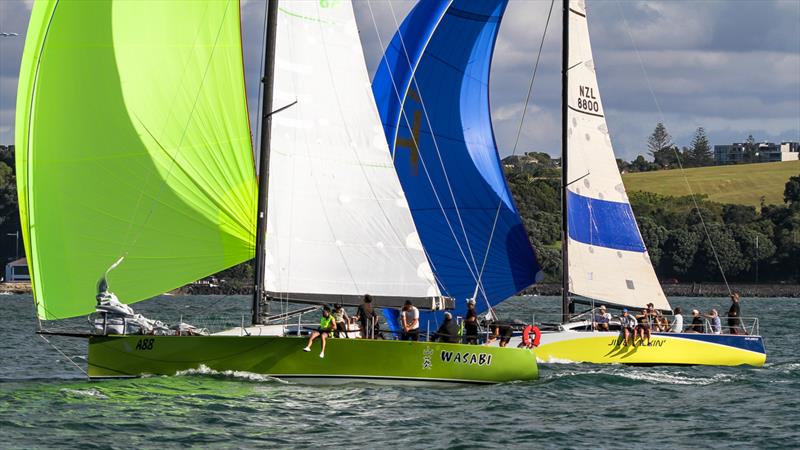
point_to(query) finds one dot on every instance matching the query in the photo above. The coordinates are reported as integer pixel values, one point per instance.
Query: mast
(564, 124)
(259, 292)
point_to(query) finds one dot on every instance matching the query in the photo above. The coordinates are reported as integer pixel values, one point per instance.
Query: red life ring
(526, 336)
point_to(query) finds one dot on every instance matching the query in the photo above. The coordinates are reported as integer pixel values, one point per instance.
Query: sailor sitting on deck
(448, 331)
(716, 323)
(409, 317)
(677, 321)
(501, 330)
(697, 323)
(326, 326)
(602, 318)
(342, 321)
(628, 324)
(643, 328)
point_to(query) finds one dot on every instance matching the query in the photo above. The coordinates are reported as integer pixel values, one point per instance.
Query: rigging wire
(516, 140)
(674, 148)
(64, 355)
(422, 160)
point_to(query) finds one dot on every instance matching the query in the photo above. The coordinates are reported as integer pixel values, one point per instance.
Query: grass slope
(743, 184)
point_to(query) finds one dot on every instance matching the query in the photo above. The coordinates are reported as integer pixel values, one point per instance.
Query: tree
(719, 253)
(700, 153)
(750, 150)
(642, 165)
(738, 214)
(791, 193)
(550, 261)
(679, 251)
(754, 245)
(654, 236)
(9, 209)
(660, 146)
(8, 194)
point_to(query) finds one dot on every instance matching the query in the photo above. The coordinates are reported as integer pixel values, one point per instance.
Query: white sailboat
(605, 261)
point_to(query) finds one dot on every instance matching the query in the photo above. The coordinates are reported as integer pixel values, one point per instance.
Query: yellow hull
(665, 348)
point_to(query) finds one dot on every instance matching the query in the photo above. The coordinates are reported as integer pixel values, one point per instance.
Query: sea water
(46, 402)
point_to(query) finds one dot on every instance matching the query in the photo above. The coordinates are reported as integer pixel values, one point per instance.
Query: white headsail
(607, 257)
(338, 220)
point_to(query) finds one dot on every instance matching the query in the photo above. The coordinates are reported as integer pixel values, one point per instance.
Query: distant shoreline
(699, 290)
(671, 290)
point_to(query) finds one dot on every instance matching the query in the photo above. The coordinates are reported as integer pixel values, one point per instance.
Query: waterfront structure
(739, 152)
(17, 271)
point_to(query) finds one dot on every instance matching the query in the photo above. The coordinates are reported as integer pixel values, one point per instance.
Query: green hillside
(743, 184)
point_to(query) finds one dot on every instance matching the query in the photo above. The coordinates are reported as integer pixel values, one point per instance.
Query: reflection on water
(46, 402)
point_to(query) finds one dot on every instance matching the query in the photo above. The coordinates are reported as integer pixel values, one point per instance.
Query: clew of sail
(608, 260)
(339, 224)
(432, 89)
(132, 142)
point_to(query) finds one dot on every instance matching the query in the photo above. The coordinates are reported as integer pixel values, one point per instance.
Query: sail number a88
(145, 344)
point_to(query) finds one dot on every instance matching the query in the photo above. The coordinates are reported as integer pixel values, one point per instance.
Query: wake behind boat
(157, 161)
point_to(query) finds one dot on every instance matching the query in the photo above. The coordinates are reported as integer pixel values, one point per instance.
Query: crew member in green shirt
(326, 327)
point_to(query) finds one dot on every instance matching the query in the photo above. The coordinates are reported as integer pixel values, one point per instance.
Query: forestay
(132, 142)
(607, 257)
(432, 89)
(339, 225)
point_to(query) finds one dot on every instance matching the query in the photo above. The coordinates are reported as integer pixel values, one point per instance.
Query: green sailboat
(135, 168)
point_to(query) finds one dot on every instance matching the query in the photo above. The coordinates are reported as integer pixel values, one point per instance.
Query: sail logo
(412, 142)
(616, 342)
(587, 101)
(427, 363)
(481, 359)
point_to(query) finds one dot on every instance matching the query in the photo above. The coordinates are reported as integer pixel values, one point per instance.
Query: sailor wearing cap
(448, 330)
(471, 323)
(628, 323)
(602, 318)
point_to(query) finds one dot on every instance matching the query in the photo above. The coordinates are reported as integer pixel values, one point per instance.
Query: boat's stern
(664, 349)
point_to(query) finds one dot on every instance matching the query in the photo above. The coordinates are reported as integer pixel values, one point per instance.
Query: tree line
(665, 154)
(749, 243)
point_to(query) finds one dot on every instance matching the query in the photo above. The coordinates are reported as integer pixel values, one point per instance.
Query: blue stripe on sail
(603, 223)
(449, 50)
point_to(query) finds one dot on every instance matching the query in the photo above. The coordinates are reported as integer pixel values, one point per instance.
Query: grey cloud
(730, 66)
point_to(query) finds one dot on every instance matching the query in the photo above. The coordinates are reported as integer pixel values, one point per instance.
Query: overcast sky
(731, 66)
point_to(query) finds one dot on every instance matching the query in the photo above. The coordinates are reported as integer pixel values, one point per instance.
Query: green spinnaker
(132, 141)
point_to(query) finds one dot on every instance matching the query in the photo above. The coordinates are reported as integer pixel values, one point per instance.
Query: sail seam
(402, 116)
(28, 180)
(577, 12)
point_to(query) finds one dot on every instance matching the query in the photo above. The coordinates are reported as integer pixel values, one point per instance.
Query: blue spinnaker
(432, 91)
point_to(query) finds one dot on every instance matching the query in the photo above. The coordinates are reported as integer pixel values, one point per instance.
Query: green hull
(283, 357)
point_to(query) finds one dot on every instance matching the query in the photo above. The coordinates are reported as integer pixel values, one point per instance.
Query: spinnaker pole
(564, 181)
(259, 293)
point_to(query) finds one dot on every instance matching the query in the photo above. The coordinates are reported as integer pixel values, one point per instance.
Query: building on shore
(740, 152)
(17, 271)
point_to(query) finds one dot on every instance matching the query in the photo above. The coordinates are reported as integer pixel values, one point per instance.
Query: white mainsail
(338, 222)
(607, 257)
